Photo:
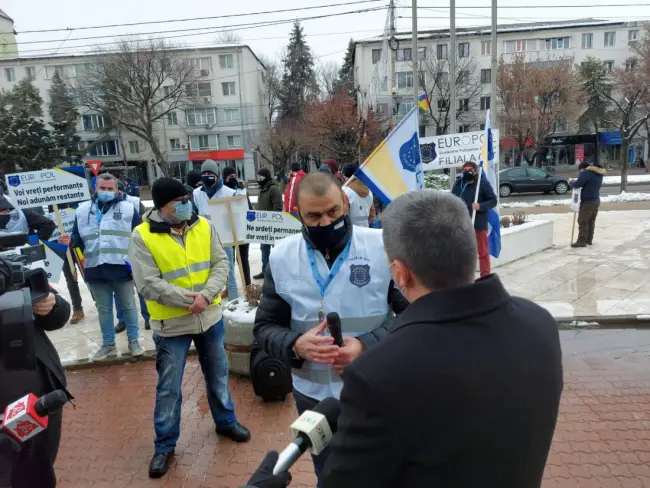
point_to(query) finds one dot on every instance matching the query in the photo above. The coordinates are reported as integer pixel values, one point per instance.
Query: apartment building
(8, 46)
(610, 41)
(224, 123)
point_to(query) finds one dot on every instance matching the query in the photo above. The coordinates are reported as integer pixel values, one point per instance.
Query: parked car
(530, 180)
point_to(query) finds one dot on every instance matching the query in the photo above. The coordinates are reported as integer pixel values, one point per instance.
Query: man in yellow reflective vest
(180, 268)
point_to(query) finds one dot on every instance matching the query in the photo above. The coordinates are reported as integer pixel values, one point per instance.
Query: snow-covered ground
(616, 180)
(623, 197)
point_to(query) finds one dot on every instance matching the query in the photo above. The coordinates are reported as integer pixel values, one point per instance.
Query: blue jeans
(103, 293)
(305, 403)
(143, 309)
(231, 286)
(266, 252)
(171, 353)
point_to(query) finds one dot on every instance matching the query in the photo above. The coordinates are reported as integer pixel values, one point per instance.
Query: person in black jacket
(33, 466)
(465, 390)
(590, 180)
(465, 188)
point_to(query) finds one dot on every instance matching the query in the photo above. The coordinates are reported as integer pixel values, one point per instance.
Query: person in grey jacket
(180, 267)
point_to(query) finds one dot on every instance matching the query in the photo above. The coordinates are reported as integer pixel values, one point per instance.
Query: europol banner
(395, 166)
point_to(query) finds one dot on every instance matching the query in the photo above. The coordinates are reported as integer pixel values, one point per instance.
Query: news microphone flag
(395, 166)
(489, 168)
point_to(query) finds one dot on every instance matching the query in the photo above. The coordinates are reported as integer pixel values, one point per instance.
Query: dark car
(530, 180)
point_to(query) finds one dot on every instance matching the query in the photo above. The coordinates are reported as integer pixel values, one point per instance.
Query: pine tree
(595, 87)
(346, 73)
(299, 85)
(64, 118)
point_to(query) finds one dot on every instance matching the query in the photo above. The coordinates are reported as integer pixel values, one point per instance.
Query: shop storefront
(223, 158)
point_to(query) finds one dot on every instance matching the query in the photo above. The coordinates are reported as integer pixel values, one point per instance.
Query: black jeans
(587, 220)
(306, 403)
(73, 286)
(243, 253)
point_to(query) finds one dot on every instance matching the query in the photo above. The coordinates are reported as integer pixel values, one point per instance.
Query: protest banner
(269, 227)
(454, 150)
(46, 187)
(576, 198)
(67, 219)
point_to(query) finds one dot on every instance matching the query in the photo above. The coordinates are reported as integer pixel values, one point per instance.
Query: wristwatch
(294, 353)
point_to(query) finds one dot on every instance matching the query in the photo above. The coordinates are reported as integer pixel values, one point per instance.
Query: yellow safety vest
(187, 267)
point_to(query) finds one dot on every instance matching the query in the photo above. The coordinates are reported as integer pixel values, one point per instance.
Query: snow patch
(239, 311)
(581, 323)
(616, 180)
(621, 198)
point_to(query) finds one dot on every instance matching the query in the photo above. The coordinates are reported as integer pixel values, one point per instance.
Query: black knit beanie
(193, 178)
(227, 171)
(165, 190)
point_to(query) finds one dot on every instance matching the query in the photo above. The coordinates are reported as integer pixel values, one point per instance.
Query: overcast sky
(328, 37)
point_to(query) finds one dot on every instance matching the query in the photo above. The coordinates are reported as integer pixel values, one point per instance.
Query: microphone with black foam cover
(50, 403)
(312, 432)
(334, 326)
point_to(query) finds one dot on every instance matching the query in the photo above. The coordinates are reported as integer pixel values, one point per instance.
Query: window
(382, 109)
(463, 105)
(442, 105)
(516, 173)
(201, 63)
(561, 126)
(463, 49)
(522, 45)
(632, 36)
(405, 79)
(172, 118)
(106, 148)
(10, 74)
(167, 90)
(376, 56)
(443, 78)
(405, 107)
(463, 77)
(231, 114)
(485, 103)
(630, 64)
(67, 71)
(95, 122)
(439, 131)
(463, 128)
(201, 116)
(233, 142)
(481, 126)
(422, 53)
(134, 147)
(486, 76)
(537, 173)
(610, 39)
(442, 51)
(486, 48)
(608, 66)
(228, 88)
(201, 89)
(558, 43)
(404, 54)
(175, 144)
(30, 72)
(203, 142)
(226, 61)
(587, 41)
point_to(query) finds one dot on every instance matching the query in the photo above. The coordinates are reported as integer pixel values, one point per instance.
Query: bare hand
(200, 302)
(64, 239)
(315, 347)
(476, 206)
(351, 349)
(44, 306)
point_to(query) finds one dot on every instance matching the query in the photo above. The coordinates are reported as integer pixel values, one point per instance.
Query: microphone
(26, 417)
(312, 432)
(334, 326)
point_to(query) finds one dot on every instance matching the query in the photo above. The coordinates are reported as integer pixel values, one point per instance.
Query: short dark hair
(431, 232)
(295, 167)
(264, 172)
(317, 184)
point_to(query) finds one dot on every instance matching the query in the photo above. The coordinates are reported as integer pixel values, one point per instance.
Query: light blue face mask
(106, 196)
(182, 210)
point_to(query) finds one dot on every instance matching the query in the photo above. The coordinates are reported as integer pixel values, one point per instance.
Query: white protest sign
(576, 199)
(269, 227)
(218, 210)
(454, 150)
(67, 217)
(46, 187)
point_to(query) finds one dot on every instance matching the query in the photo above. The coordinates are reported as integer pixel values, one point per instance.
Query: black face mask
(4, 220)
(209, 180)
(262, 182)
(231, 183)
(469, 175)
(328, 236)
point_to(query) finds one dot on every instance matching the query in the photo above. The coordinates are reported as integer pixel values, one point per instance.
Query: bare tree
(536, 97)
(282, 140)
(137, 85)
(270, 79)
(228, 37)
(327, 75)
(434, 82)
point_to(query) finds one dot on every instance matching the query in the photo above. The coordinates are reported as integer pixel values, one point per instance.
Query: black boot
(147, 325)
(237, 433)
(258, 276)
(120, 327)
(579, 244)
(159, 465)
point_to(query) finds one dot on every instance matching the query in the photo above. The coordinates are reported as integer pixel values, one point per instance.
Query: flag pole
(452, 80)
(478, 188)
(414, 54)
(493, 87)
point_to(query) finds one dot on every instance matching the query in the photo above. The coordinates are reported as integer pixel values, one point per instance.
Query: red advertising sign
(94, 166)
(580, 152)
(224, 155)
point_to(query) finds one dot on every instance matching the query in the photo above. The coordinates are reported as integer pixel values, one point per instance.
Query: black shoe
(120, 327)
(159, 465)
(589, 243)
(579, 244)
(258, 276)
(147, 325)
(237, 433)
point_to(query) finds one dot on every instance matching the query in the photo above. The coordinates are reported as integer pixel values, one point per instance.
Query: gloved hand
(264, 477)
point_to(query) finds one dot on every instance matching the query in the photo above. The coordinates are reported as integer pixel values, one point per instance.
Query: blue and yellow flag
(490, 167)
(423, 102)
(395, 166)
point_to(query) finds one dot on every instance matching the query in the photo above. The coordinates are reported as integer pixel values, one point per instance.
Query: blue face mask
(106, 196)
(182, 210)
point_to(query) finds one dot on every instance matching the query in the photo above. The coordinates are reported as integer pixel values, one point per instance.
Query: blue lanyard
(463, 185)
(98, 213)
(323, 284)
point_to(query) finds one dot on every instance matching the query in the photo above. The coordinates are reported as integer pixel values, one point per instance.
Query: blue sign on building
(610, 138)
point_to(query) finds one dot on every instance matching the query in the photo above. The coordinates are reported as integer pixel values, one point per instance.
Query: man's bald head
(316, 184)
(320, 199)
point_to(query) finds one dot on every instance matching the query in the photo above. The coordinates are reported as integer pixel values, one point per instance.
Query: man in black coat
(33, 466)
(465, 390)
(465, 188)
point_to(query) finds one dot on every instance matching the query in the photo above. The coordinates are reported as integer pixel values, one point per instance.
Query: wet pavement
(602, 438)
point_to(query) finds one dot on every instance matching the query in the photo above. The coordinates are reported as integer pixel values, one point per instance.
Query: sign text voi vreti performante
(46, 187)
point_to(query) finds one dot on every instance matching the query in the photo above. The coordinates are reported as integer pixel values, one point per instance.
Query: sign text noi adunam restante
(46, 187)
